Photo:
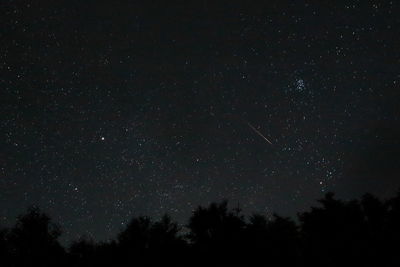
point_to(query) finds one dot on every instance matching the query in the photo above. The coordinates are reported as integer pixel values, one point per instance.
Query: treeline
(363, 232)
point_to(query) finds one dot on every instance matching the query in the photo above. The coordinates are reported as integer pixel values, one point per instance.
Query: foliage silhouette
(333, 234)
(364, 232)
(33, 241)
(216, 234)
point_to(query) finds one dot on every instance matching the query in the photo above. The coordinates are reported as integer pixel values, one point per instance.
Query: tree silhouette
(216, 234)
(166, 244)
(392, 229)
(282, 239)
(83, 252)
(150, 243)
(4, 247)
(34, 240)
(275, 240)
(333, 234)
(214, 224)
(336, 233)
(134, 241)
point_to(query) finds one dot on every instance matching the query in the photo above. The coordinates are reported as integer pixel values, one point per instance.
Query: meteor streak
(260, 134)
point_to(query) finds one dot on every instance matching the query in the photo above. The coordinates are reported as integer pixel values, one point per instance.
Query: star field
(117, 109)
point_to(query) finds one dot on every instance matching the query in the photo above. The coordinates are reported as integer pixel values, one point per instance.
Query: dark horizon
(357, 232)
(184, 225)
(115, 109)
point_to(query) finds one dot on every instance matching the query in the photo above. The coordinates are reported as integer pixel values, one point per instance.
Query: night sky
(115, 109)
